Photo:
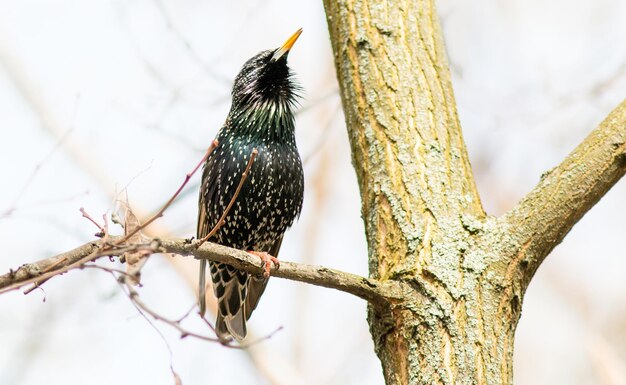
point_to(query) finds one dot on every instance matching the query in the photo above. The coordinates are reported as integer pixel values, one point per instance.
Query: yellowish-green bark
(462, 274)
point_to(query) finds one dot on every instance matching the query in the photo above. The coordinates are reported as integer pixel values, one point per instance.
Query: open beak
(284, 49)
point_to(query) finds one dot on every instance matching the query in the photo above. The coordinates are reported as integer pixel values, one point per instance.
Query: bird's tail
(237, 295)
(202, 287)
(231, 326)
(226, 324)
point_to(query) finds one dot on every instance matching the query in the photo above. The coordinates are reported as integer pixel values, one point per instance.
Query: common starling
(261, 117)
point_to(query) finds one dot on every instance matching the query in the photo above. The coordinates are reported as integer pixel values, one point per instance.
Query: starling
(261, 117)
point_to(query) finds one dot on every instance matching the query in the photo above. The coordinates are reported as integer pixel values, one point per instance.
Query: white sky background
(532, 78)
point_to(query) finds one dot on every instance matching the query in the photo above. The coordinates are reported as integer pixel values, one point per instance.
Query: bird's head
(264, 89)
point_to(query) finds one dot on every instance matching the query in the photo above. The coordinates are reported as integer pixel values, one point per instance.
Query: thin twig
(187, 313)
(106, 236)
(220, 223)
(86, 215)
(42, 163)
(143, 309)
(261, 339)
(104, 268)
(191, 51)
(42, 203)
(104, 232)
(323, 137)
(135, 303)
(169, 202)
(206, 321)
(133, 295)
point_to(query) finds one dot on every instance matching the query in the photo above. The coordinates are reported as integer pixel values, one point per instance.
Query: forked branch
(540, 221)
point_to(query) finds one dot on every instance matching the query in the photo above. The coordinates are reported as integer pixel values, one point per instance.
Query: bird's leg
(267, 261)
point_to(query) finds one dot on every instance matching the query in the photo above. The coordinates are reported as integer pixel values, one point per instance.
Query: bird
(265, 96)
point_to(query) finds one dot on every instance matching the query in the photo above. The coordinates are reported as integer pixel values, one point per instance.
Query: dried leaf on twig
(134, 260)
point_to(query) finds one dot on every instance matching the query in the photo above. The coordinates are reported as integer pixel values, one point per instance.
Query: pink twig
(159, 214)
(82, 210)
(220, 223)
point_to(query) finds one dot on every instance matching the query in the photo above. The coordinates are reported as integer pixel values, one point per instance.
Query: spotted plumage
(261, 116)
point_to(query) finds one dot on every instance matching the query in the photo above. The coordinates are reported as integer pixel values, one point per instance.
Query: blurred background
(105, 98)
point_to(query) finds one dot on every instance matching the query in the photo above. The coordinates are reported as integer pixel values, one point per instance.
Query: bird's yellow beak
(284, 49)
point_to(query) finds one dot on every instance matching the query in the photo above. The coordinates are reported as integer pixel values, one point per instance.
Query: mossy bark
(463, 274)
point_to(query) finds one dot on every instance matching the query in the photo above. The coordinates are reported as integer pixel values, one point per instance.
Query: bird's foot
(267, 261)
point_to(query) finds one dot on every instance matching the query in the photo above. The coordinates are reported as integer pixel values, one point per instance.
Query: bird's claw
(267, 261)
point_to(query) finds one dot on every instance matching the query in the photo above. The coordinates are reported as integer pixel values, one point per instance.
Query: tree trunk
(462, 274)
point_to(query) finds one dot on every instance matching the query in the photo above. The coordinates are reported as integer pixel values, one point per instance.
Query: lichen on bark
(462, 274)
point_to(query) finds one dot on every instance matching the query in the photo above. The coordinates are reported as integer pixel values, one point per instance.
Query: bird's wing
(238, 293)
(200, 232)
(207, 190)
(206, 222)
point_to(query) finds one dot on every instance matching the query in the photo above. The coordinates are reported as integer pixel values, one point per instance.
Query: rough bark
(565, 194)
(463, 274)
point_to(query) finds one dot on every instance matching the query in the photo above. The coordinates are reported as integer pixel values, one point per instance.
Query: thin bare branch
(167, 204)
(86, 215)
(193, 54)
(126, 283)
(371, 290)
(144, 309)
(39, 165)
(323, 137)
(220, 223)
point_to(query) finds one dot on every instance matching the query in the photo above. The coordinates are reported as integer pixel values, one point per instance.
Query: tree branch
(542, 219)
(371, 290)
(29, 271)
